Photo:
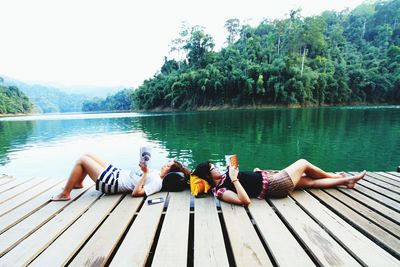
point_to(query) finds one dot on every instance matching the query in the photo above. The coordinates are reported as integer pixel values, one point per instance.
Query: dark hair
(174, 182)
(202, 171)
(177, 179)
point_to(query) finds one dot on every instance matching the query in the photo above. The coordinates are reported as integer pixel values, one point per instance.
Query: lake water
(334, 138)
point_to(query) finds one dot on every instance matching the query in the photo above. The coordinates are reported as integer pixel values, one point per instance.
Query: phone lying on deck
(155, 201)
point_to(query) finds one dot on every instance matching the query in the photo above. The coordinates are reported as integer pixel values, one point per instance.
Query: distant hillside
(56, 98)
(12, 100)
(49, 99)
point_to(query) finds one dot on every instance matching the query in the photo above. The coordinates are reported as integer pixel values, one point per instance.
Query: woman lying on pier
(110, 179)
(237, 187)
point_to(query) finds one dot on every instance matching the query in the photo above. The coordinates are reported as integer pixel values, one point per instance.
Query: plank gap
(190, 251)
(294, 234)
(155, 241)
(359, 228)
(123, 236)
(228, 247)
(261, 237)
(360, 213)
(94, 232)
(370, 207)
(326, 229)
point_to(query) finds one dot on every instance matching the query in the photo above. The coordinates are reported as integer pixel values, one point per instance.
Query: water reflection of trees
(334, 138)
(13, 135)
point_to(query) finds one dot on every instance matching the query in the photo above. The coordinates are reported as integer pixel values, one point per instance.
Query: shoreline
(265, 106)
(215, 108)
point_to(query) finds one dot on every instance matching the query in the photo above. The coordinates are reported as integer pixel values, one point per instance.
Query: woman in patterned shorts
(238, 187)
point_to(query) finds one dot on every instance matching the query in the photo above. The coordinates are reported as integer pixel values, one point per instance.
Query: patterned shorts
(276, 185)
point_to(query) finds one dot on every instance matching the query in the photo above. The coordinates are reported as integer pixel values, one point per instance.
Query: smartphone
(155, 201)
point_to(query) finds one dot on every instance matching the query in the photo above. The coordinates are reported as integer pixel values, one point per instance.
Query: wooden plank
(395, 174)
(23, 229)
(34, 244)
(376, 179)
(134, 253)
(18, 214)
(6, 179)
(373, 231)
(246, 246)
(101, 245)
(394, 196)
(390, 178)
(359, 245)
(378, 197)
(371, 203)
(28, 195)
(12, 193)
(206, 225)
(284, 247)
(11, 184)
(67, 244)
(325, 250)
(361, 209)
(175, 227)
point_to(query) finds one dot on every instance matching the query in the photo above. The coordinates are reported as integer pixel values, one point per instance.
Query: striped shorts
(107, 182)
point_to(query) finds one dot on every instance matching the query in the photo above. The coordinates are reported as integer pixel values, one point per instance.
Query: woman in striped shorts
(110, 179)
(238, 187)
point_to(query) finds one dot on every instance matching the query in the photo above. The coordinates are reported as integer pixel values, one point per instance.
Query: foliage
(121, 101)
(333, 58)
(13, 101)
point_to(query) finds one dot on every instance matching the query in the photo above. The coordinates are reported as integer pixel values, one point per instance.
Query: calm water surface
(345, 138)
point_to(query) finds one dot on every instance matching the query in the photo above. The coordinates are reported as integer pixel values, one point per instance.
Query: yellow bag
(198, 185)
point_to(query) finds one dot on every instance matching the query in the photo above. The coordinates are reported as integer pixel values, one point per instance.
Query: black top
(251, 182)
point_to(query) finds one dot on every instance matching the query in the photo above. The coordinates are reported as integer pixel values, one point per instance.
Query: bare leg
(307, 182)
(99, 161)
(84, 166)
(303, 168)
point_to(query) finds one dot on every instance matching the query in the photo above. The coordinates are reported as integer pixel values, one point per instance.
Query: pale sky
(117, 42)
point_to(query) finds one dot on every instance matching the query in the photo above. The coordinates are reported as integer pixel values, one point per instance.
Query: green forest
(335, 58)
(346, 57)
(13, 101)
(120, 101)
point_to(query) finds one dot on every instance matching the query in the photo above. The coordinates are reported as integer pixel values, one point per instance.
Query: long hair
(202, 171)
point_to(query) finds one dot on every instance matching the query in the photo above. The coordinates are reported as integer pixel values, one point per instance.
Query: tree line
(120, 101)
(333, 58)
(13, 101)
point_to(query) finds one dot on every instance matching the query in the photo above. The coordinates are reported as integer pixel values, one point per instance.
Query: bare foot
(61, 197)
(354, 179)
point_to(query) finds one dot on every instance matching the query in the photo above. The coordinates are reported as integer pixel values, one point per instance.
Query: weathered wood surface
(332, 227)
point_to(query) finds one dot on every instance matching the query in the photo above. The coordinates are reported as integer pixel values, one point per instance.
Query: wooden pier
(334, 227)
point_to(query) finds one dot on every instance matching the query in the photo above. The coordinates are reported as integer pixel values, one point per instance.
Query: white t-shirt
(129, 179)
